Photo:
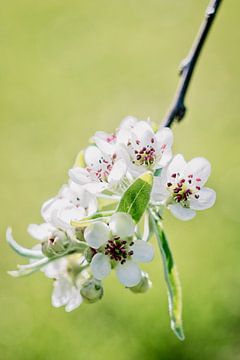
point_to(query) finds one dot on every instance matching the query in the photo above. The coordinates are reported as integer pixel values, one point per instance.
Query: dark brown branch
(178, 108)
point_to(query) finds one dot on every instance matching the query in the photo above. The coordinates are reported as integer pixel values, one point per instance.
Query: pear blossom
(146, 149)
(181, 187)
(68, 281)
(103, 169)
(113, 245)
(72, 203)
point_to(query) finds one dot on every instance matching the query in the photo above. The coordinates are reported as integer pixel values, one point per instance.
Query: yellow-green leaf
(136, 198)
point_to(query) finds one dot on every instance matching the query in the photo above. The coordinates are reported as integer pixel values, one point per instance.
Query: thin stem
(178, 109)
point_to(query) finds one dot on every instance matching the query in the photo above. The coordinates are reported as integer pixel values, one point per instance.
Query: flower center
(182, 188)
(118, 250)
(144, 156)
(102, 171)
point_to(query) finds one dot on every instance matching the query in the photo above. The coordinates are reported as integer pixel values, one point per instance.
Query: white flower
(67, 281)
(73, 202)
(113, 246)
(148, 150)
(108, 143)
(181, 187)
(103, 169)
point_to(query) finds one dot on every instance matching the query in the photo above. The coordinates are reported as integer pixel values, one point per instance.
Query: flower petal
(56, 268)
(177, 165)
(200, 168)
(61, 292)
(97, 234)
(181, 212)
(40, 232)
(75, 300)
(63, 217)
(79, 175)
(159, 191)
(142, 251)
(100, 266)
(121, 224)
(104, 145)
(142, 132)
(118, 171)
(129, 273)
(92, 155)
(207, 198)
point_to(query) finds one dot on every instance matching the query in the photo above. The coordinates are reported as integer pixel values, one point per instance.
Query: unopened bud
(56, 244)
(89, 253)
(92, 290)
(144, 284)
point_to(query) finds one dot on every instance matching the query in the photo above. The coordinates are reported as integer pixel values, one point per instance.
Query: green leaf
(171, 277)
(136, 198)
(89, 219)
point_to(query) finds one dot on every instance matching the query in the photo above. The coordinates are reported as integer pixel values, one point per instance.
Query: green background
(69, 68)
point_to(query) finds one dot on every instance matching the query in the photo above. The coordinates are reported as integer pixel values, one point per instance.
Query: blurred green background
(69, 68)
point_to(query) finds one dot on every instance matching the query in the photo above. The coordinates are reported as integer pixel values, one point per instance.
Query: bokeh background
(69, 68)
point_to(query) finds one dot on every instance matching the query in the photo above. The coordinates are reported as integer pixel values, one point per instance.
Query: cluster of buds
(103, 218)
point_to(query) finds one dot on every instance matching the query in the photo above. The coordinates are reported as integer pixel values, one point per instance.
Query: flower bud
(89, 253)
(92, 290)
(144, 284)
(56, 244)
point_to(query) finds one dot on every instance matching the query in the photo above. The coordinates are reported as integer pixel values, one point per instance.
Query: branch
(178, 108)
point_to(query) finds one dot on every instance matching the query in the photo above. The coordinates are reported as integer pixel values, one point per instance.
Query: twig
(178, 108)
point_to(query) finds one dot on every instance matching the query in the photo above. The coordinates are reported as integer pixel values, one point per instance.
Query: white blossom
(181, 187)
(114, 246)
(73, 202)
(67, 281)
(103, 169)
(146, 149)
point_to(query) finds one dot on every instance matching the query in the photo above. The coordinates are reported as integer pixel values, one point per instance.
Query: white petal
(124, 132)
(92, 206)
(200, 168)
(56, 268)
(128, 122)
(177, 165)
(129, 273)
(61, 291)
(181, 212)
(206, 199)
(143, 132)
(40, 232)
(104, 146)
(97, 234)
(142, 251)
(52, 205)
(100, 266)
(165, 136)
(165, 159)
(63, 217)
(75, 300)
(118, 171)
(96, 187)
(121, 224)
(92, 155)
(79, 175)
(159, 190)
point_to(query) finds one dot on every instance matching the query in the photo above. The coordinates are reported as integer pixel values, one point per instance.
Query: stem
(178, 109)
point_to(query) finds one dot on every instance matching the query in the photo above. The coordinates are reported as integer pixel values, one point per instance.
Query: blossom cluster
(93, 226)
